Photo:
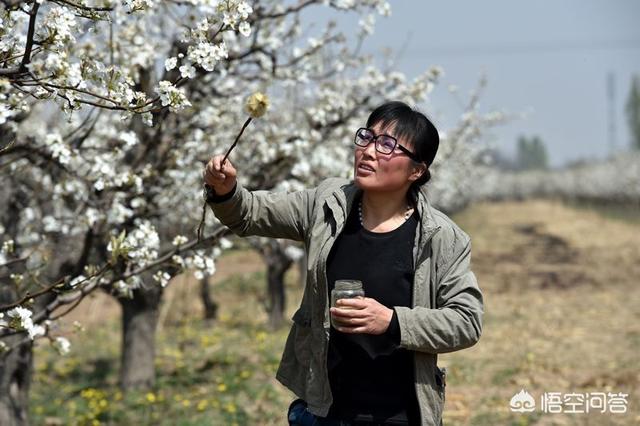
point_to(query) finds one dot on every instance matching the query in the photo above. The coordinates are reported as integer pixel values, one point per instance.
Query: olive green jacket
(447, 303)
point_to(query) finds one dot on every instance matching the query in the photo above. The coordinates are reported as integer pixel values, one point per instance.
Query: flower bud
(257, 104)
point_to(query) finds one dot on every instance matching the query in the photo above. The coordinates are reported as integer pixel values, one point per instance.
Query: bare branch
(83, 7)
(32, 29)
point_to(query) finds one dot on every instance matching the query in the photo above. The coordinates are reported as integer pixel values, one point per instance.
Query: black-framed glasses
(384, 144)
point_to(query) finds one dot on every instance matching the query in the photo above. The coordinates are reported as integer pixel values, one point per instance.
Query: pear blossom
(61, 345)
(170, 63)
(172, 96)
(179, 240)
(20, 319)
(162, 278)
(187, 71)
(245, 29)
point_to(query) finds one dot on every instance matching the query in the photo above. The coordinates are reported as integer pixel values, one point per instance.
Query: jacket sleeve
(456, 323)
(265, 213)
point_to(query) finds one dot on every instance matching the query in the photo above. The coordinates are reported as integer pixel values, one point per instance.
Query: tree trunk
(277, 264)
(210, 305)
(139, 321)
(16, 368)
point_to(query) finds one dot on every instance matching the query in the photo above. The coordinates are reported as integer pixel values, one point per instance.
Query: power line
(527, 48)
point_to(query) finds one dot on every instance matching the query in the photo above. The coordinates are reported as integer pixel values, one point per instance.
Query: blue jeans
(299, 415)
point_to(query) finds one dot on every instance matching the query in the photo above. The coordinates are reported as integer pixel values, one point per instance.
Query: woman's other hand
(361, 315)
(222, 179)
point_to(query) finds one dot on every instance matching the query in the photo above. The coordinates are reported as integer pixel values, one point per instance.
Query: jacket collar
(342, 199)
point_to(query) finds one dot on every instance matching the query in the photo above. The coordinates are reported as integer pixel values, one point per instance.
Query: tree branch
(32, 28)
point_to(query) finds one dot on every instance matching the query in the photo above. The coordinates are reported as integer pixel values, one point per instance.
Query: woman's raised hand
(222, 179)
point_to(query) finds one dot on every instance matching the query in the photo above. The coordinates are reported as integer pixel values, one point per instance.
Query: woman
(422, 299)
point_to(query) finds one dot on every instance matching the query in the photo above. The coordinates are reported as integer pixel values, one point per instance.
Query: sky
(547, 63)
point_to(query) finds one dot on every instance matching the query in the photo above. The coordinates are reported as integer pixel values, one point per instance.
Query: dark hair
(413, 126)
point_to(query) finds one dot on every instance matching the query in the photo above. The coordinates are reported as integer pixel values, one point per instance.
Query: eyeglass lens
(384, 144)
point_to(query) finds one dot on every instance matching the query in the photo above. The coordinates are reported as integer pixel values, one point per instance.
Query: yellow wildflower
(202, 405)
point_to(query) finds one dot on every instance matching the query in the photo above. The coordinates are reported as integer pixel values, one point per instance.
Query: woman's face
(378, 172)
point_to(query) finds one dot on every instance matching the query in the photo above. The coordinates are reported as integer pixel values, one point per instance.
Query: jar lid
(348, 285)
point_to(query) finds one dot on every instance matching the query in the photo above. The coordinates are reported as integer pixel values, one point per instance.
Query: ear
(418, 170)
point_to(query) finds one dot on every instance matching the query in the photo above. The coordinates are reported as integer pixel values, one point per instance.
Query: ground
(561, 315)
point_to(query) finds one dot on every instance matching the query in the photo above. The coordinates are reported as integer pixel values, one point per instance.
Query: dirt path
(562, 313)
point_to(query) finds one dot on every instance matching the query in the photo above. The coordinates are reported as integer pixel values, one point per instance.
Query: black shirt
(371, 378)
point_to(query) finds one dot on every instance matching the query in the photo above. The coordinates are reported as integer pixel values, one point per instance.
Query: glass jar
(345, 289)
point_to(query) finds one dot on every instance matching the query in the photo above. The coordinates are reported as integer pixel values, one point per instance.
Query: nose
(370, 150)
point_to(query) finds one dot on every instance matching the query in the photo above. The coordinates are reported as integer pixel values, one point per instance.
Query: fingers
(227, 168)
(213, 177)
(217, 174)
(353, 330)
(354, 303)
(346, 313)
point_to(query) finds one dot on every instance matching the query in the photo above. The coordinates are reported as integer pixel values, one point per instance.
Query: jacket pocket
(302, 337)
(296, 357)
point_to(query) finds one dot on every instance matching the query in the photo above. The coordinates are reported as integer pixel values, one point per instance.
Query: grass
(549, 326)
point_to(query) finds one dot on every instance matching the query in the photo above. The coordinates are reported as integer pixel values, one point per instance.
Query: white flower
(206, 54)
(179, 240)
(244, 9)
(99, 185)
(367, 24)
(143, 243)
(225, 243)
(203, 264)
(147, 119)
(384, 9)
(130, 139)
(35, 331)
(162, 277)
(78, 326)
(7, 247)
(61, 345)
(123, 289)
(59, 23)
(59, 149)
(135, 5)
(20, 318)
(187, 71)
(178, 260)
(172, 96)
(245, 29)
(170, 63)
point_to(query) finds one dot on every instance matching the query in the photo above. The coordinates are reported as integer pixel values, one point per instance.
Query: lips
(366, 167)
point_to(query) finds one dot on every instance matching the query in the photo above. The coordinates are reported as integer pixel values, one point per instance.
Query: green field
(561, 301)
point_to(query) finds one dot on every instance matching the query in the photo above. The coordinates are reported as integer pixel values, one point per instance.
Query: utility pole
(611, 98)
